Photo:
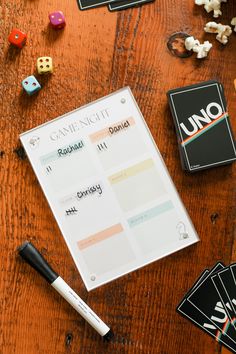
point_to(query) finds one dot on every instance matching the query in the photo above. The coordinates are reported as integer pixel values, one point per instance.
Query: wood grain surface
(97, 53)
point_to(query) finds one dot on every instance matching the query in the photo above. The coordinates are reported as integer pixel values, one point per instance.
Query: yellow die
(44, 65)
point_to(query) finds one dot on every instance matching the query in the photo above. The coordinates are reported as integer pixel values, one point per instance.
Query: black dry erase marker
(32, 256)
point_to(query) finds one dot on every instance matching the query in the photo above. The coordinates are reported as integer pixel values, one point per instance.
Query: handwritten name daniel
(119, 127)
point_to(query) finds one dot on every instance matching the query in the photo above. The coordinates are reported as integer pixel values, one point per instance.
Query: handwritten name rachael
(67, 150)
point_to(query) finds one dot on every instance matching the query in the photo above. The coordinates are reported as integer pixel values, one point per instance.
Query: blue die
(31, 85)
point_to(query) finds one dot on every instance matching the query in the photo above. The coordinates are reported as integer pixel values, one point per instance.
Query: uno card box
(202, 124)
(86, 4)
(124, 4)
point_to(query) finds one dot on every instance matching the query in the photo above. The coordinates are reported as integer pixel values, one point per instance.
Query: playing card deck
(205, 138)
(124, 4)
(211, 303)
(86, 4)
(113, 4)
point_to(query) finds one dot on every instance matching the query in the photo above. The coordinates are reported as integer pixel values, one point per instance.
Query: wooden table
(97, 53)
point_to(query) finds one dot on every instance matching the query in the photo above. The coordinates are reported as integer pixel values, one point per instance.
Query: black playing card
(197, 282)
(227, 279)
(201, 321)
(202, 124)
(124, 4)
(223, 291)
(205, 298)
(86, 4)
(187, 310)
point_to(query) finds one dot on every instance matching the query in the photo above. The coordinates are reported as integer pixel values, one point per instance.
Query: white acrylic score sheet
(108, 188)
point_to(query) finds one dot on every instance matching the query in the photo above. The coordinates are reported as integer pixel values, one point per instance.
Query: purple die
(57, 19)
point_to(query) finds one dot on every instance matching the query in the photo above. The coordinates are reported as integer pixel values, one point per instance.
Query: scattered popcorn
(190, 42)
(233, 23)
(223, 31)
(193, 44)
(211, 5)
(203, 49)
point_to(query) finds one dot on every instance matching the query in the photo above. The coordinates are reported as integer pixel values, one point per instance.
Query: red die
(57, 19)
(17, 38)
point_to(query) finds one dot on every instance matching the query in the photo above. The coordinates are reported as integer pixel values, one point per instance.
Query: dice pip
(31, 85)
(57, 19)
(17, 38)
(44, 65)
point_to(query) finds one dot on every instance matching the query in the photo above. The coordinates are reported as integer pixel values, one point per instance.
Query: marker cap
(32, 256)
(108, 336)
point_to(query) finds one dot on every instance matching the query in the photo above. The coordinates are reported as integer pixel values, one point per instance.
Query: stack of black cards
(113, 5)
(202, 124)
(211, 304)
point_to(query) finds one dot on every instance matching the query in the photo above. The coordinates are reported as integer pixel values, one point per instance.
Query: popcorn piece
(211, 5)
(190, 42)
(202, 50)
(233, 23)
(223, 31)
